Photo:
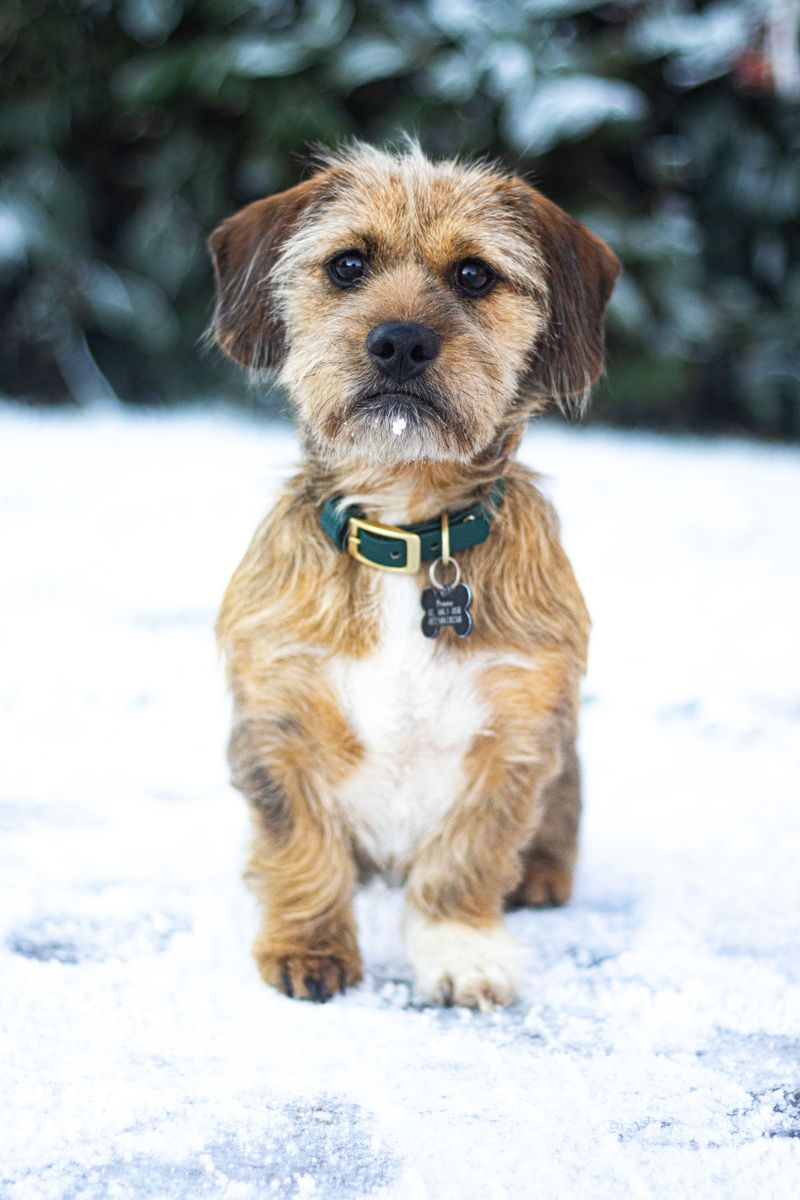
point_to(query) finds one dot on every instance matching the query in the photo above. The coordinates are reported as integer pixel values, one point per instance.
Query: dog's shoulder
(292, 585)
(523, 575)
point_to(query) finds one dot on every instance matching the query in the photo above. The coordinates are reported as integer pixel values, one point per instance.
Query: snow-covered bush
(129, 127)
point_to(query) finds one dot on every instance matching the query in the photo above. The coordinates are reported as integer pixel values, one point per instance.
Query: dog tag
(446, 605)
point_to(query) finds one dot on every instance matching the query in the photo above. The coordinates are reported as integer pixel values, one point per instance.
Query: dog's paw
(309, 976)
(546, 884)
(458, 964)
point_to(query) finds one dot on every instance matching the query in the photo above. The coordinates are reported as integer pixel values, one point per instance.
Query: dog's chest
(416, 709)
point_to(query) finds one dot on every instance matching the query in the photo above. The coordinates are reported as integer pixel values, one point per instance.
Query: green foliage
(128, 128)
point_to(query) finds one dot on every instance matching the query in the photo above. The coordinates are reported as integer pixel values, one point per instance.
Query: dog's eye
(347, 269)
(473, 277)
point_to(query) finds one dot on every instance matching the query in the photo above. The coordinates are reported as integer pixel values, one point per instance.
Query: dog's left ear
(244, 250)
(581, 271)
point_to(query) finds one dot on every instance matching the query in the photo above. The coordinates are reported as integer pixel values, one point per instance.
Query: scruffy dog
(418, 313)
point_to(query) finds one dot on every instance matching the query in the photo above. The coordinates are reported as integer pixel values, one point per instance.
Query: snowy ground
(656, 1049)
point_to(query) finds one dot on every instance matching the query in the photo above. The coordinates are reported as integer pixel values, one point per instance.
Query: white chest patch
(416, 711)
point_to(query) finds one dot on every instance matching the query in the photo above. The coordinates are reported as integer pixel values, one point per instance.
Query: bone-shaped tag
(447, 606)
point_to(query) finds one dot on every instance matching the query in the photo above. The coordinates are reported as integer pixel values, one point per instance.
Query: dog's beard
(396, 425)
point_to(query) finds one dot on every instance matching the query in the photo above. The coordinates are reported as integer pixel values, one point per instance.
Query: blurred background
(128, 128)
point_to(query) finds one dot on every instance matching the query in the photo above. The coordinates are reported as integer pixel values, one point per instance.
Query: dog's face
(413, 308)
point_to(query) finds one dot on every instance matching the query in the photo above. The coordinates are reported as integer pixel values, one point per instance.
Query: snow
(654, 1052)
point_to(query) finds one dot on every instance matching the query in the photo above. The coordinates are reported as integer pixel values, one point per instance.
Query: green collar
(402, 548)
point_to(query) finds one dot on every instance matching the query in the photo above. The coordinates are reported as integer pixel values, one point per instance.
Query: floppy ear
(244, 250)
(581, 271)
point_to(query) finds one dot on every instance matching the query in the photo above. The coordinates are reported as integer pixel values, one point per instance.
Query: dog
(404, 637)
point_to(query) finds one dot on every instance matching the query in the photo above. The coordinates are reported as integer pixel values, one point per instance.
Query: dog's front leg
(459, 948)
(301, 869)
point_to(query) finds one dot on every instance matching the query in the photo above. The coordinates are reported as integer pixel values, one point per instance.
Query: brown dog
(418, 313)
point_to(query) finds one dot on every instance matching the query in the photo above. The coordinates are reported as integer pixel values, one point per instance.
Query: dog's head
(413, 308)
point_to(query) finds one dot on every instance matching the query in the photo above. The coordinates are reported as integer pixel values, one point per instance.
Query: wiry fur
(360, 745)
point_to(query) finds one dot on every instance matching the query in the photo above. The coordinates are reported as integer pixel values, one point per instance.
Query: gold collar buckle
(412, 541)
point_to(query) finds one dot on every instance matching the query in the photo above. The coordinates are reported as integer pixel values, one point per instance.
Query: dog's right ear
(244, 250)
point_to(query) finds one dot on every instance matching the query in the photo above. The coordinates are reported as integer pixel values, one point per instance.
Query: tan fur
(297, 606)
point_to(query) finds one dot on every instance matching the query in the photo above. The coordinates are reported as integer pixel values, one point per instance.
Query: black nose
(402, 349)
